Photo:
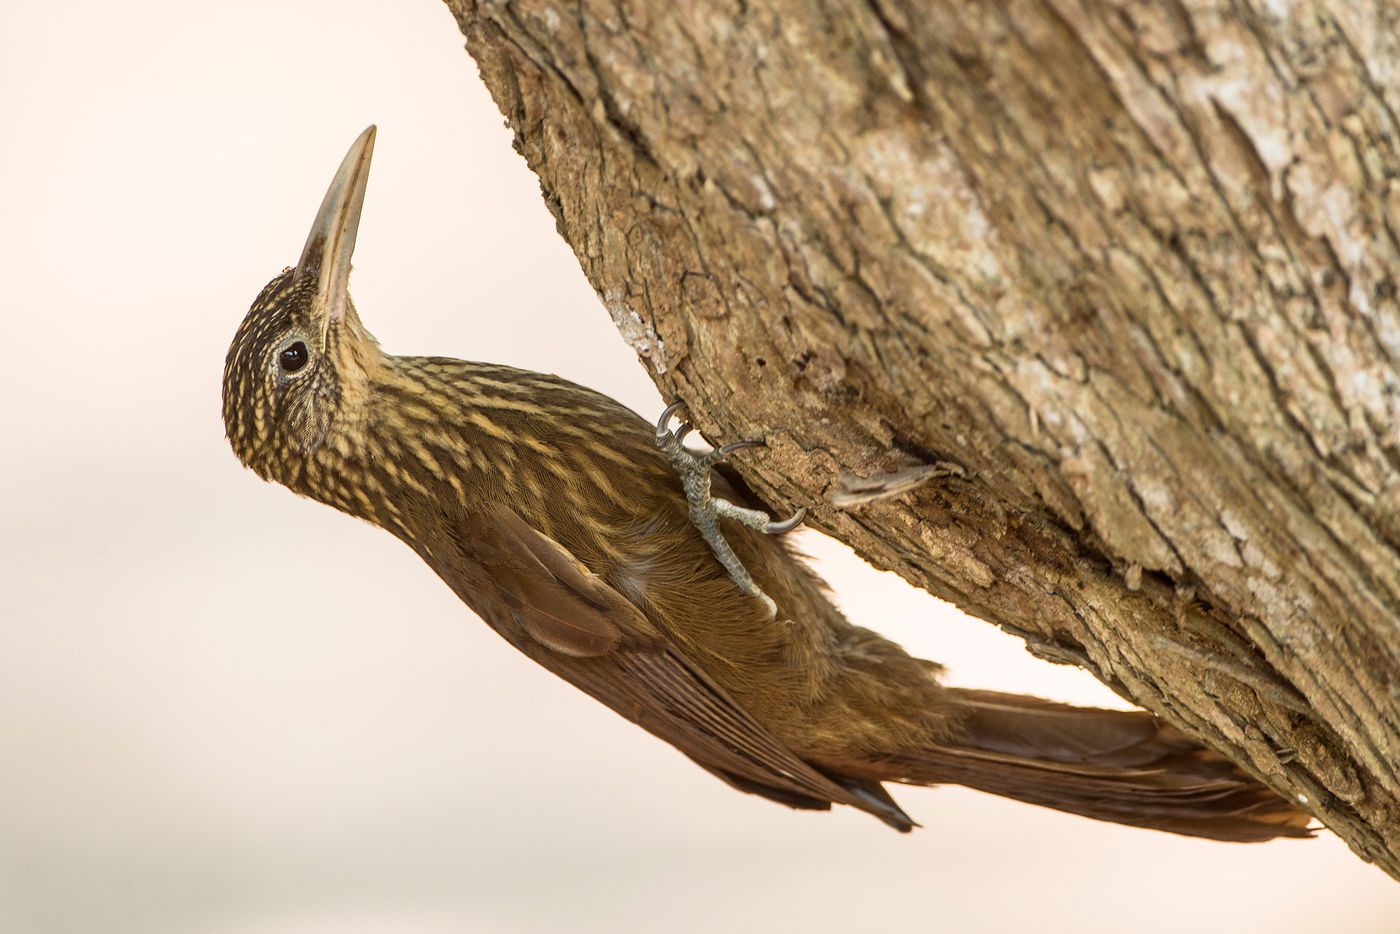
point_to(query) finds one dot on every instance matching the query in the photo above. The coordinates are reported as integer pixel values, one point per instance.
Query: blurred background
(227, 710)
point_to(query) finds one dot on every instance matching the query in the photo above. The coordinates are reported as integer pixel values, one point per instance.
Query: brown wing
(546, 603)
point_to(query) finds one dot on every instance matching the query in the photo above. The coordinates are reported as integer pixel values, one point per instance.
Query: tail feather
(1113, 765)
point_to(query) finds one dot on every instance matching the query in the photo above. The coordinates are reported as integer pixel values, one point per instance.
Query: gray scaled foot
(706, 509)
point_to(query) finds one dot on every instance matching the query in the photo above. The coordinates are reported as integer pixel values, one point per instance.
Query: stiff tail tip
(1123, 766)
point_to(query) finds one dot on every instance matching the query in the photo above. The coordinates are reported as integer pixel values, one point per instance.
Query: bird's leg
(707, 509)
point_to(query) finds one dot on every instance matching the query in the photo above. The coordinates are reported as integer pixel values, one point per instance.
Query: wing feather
(545, 602)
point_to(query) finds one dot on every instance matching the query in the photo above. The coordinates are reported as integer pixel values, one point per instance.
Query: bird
(552, 512)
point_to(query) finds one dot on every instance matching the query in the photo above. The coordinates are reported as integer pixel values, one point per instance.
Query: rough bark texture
(1130, 265)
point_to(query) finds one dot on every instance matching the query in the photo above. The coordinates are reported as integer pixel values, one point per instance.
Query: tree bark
(1087, 307)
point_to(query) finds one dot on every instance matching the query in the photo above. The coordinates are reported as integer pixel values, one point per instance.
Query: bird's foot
(707, 509)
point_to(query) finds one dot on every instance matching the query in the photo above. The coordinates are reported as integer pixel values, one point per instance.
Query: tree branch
(1126, 267)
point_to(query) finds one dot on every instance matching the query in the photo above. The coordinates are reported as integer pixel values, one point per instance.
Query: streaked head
(301, 347)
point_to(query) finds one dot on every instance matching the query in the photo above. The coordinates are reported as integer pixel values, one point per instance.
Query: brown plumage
(549, 510)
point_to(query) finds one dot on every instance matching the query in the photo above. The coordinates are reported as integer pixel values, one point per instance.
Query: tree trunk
(1079, 315)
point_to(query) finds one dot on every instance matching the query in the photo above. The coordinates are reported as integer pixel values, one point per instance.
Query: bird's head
(301, 356)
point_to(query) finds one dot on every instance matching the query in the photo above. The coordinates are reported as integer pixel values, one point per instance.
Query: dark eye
(293, 357)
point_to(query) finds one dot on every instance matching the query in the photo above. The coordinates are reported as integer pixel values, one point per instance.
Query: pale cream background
(226, 710)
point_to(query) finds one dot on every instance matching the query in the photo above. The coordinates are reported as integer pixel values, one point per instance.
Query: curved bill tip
(331, 242)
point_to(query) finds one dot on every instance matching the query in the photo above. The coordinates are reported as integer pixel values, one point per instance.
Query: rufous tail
(1124, 766)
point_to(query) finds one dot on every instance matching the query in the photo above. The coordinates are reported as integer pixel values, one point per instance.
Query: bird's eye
(293, 357)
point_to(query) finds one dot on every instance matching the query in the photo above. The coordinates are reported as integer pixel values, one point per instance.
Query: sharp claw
(681, 432)
(737, 446)
(666, 414)
(788, 524)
